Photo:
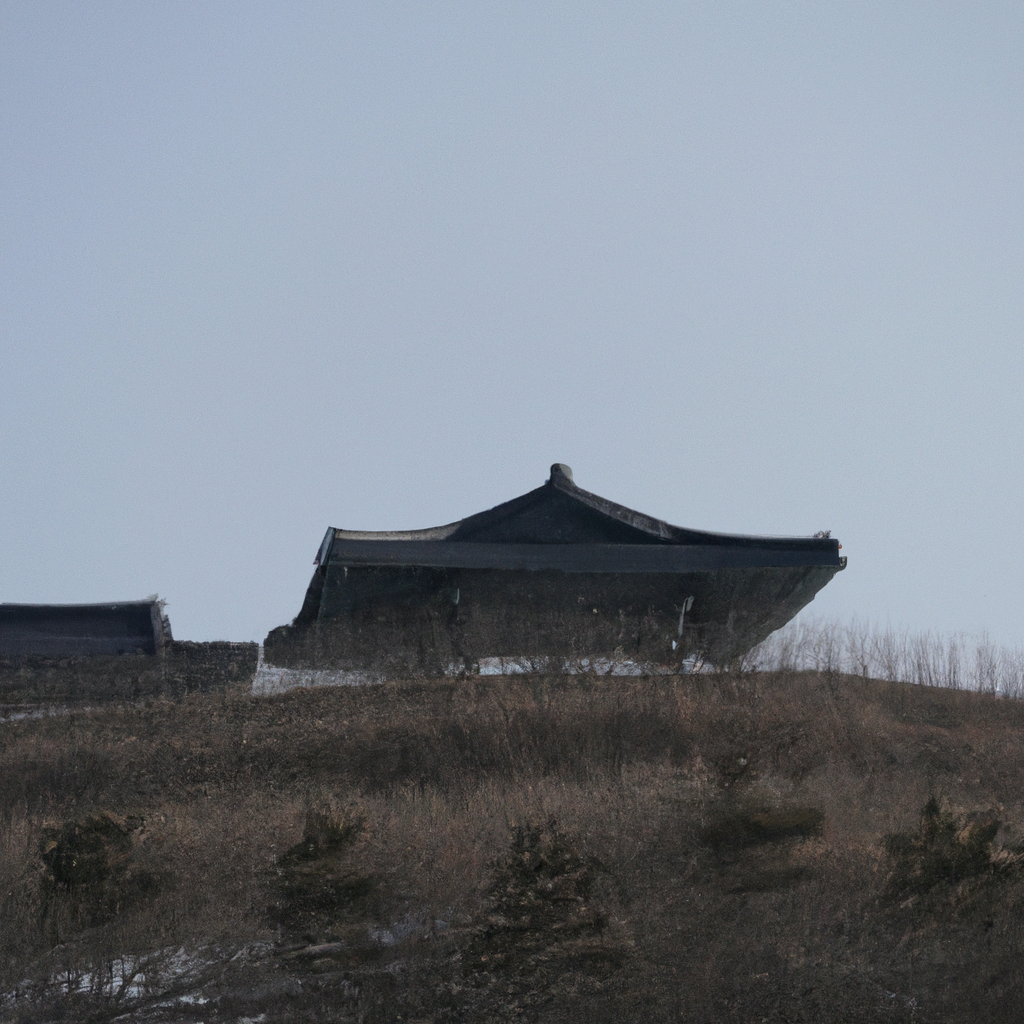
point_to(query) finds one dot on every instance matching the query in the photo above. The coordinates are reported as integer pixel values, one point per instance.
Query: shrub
(317, 882)
(942, 849)
(90, 862)
(545, 911)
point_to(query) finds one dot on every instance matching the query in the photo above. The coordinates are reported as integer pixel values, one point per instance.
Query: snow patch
(270, 680)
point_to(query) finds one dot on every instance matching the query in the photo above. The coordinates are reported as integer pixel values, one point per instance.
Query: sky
(267, 268)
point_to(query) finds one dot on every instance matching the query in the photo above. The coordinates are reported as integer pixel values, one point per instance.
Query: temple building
(82, 630)
(556, 575)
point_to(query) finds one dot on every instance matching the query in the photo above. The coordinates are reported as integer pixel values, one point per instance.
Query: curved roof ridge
(476, 520)
(638, 520)
(650, 524)
(561, 480)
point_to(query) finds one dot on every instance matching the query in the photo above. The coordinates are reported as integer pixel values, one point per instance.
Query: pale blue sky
(270, 267)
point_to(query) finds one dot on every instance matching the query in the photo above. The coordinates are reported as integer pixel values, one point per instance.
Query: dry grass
(702, 848)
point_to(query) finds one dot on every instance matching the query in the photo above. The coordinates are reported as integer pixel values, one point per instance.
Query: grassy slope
(697, 848)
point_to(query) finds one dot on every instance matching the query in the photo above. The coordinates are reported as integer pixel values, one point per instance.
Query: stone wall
(183, 667)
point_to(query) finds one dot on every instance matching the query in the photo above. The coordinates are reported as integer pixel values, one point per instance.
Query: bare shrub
(893, 655)
(986, 666)
(857, 652)
(953, 667)
(1012, 672)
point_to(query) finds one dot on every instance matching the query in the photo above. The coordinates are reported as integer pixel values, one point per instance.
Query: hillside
(780, 847)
